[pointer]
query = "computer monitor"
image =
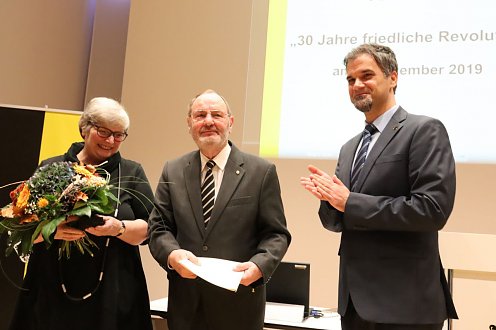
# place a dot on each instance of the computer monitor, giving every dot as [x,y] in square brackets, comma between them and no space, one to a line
[290,284]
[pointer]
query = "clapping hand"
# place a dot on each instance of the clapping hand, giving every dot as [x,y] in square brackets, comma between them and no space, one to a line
[326,188]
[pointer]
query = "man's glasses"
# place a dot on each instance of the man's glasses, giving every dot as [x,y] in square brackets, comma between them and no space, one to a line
[105,133]
[201,115]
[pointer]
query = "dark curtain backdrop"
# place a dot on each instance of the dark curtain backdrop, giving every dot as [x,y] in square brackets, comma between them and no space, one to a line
[20,138]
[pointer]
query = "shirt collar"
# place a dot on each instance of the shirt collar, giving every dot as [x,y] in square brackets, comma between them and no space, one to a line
[220,160]
[381,122]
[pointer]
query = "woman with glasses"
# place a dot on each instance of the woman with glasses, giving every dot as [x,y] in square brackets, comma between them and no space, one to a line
[107,290]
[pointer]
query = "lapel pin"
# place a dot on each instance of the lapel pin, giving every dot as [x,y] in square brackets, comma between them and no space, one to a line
[237,172]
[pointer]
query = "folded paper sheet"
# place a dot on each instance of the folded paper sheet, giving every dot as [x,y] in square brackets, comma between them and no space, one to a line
[216,271]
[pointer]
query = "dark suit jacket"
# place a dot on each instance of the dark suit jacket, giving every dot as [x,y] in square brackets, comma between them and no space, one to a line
[247,224]
[389,255]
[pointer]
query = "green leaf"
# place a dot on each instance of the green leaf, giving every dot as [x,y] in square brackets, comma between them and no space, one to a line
[26,246]
[50,228]
[2,226]
[38,229]
[82,211]
[111,196]
[79,204]
[21,237]
[7,224]
[100,194]
[102,209]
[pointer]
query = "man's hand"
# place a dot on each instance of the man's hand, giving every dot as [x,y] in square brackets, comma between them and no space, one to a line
[309,184]
[174,262]
[326,188]
[252,272]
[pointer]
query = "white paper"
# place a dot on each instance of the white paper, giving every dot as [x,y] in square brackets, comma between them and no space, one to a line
[159,305]
[284,312]
[216,271]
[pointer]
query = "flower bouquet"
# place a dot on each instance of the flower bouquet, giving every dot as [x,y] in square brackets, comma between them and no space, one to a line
[55,192]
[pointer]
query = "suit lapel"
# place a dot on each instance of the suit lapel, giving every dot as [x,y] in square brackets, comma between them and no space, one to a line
[192,179]
[390,131]
[233,173]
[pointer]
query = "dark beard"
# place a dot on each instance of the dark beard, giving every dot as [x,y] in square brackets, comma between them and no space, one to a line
[363,104]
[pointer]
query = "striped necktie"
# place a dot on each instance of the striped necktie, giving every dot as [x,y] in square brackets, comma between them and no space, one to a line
[362,154]
[208,192]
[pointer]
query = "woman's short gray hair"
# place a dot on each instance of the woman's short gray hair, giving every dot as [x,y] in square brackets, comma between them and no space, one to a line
[105,112]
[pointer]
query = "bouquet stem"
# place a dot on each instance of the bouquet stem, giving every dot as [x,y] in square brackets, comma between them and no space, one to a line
[83,245]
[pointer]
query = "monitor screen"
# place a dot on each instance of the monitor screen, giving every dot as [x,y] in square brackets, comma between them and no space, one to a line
[290,284]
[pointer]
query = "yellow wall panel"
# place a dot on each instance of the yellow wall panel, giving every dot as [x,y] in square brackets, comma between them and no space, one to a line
[59,132]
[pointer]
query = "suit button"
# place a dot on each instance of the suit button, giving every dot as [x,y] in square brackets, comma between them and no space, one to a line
[205,248]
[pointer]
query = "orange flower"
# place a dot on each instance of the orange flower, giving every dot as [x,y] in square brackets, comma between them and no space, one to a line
[90,168]
[17,211]
[7,212]
[81,196]
[83,170]
[29,218]
[14,193]
[22,199]
[42,202]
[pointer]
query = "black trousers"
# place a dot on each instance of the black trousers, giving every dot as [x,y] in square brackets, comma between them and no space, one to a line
[352,321]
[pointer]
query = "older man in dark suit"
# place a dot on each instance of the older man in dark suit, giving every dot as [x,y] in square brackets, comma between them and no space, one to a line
[393,190]
[246,224]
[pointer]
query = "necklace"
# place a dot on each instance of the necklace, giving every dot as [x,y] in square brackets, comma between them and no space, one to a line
[100,278]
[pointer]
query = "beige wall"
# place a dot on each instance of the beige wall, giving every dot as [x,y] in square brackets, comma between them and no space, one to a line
[60,53]
[174,50]
[45,47]
[108,49]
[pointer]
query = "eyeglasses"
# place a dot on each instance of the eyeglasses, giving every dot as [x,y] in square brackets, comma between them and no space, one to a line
[105,133]
[201,115]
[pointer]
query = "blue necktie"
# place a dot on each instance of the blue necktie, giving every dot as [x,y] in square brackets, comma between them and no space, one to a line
[208,192]
[362,154]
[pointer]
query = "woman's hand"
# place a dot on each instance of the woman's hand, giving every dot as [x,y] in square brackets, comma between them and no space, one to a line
[111,227]
[135,231]
[66,232]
